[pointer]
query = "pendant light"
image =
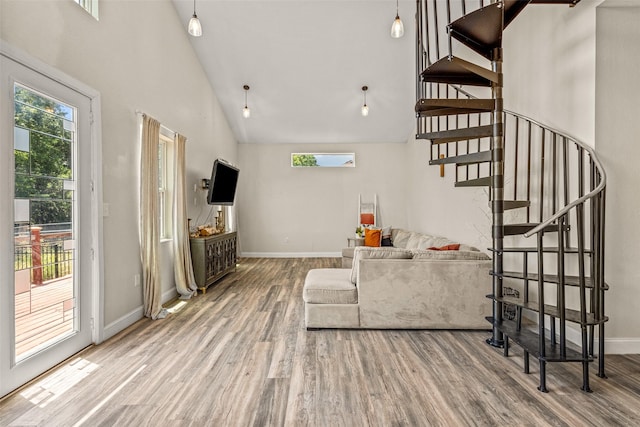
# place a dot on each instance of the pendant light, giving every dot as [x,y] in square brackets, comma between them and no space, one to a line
[246,112]
[365,109]
[195,28]
[397,28]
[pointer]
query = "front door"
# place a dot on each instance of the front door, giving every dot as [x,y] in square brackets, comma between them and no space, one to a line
[45,223]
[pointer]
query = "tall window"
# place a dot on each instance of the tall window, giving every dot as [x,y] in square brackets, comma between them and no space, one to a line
[165,171]
[90,6]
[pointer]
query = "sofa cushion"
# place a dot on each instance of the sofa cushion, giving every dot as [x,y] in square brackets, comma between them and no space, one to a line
[401,238]
[329,286]
[449,255]
[363,252]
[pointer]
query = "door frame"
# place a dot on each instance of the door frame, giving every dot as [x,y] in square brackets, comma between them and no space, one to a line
[97,280]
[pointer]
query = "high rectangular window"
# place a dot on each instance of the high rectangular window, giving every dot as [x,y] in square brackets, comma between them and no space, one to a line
[90,6]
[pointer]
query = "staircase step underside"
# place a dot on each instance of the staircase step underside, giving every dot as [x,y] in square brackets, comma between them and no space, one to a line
[551,249]
[516,204]
[550,310]
[480,30]
[448,107]
[462,134]
[458,71]
[464,159]
[478,182]
[530,341]
[549,278]
[517,229]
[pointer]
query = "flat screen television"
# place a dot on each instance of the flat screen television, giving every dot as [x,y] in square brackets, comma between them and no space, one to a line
[223,183]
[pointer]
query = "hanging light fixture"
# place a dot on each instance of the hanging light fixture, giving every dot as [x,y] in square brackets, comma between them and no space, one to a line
[397,28]
[195,28]
[365,109]
[246,112]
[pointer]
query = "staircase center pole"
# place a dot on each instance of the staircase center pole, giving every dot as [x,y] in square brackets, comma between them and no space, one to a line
[497,198]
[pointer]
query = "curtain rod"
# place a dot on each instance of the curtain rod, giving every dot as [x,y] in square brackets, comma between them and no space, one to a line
[162,127]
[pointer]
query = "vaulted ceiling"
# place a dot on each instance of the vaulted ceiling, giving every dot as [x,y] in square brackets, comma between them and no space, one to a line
[306,62]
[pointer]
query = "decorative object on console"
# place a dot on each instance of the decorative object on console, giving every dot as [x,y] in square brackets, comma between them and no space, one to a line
[367,211]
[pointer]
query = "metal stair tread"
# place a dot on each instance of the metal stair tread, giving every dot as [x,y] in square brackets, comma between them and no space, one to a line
[464,159]
[458,71]
[477,182]
[551,310]
[517,229]
[569,280]
[480,30]
[530,341]
[453,135]
[446,107]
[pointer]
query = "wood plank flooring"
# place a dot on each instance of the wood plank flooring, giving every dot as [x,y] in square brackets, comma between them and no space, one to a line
[240,355]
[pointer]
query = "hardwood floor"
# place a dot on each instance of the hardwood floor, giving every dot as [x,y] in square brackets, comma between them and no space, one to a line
[240,355]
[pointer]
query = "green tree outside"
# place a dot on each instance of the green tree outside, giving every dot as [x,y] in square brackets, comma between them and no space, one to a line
[304,160]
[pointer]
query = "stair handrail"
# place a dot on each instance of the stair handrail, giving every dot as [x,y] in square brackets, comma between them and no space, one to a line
[583,145]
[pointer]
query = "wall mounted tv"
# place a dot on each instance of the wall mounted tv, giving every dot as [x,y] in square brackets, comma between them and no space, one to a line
[223,183]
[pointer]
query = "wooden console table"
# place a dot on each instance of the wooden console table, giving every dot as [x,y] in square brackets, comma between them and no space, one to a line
[213,257]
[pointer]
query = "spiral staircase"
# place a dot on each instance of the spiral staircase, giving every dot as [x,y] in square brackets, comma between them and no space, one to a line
[546,189]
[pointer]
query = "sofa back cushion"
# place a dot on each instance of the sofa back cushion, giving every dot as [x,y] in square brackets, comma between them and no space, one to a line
[363,252]
[450,255]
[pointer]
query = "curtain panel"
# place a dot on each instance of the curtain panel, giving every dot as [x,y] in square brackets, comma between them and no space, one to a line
[183,269]
[149,219]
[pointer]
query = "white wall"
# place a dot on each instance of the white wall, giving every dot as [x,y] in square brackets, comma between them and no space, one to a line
[549,66]
[297,211]
[618,145]
[138,56]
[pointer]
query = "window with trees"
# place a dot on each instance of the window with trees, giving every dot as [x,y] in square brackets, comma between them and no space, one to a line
[323,160]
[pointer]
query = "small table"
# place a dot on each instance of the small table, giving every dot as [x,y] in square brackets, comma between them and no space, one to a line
[355,241]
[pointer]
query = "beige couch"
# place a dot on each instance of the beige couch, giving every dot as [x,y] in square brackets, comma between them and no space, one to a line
[400,288]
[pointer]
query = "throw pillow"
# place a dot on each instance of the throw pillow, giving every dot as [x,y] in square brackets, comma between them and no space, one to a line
[372,237]
[450,247]
[401,238]
[386,237]
[363,252]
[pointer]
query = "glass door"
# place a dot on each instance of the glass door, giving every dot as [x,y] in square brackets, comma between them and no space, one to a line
[45,224]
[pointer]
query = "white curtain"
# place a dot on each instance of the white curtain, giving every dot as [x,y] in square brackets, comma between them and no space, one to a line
[149,219]
[183,269]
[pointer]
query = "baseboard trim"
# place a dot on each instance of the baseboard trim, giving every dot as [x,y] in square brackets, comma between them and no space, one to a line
[290,254]
[133,316]
[122,323]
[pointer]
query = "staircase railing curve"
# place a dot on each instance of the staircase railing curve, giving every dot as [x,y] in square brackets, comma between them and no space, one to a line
[552,181]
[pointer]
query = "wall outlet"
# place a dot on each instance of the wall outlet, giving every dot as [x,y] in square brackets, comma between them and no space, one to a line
[286,240]
[136,281]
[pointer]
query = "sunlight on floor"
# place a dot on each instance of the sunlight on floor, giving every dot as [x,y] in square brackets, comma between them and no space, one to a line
[179,305]
[53,386]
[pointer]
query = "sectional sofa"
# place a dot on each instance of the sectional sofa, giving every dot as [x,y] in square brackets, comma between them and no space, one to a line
[407,286]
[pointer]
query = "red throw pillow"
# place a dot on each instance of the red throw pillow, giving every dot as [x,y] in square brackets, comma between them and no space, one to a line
[372,237]
[452,247]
